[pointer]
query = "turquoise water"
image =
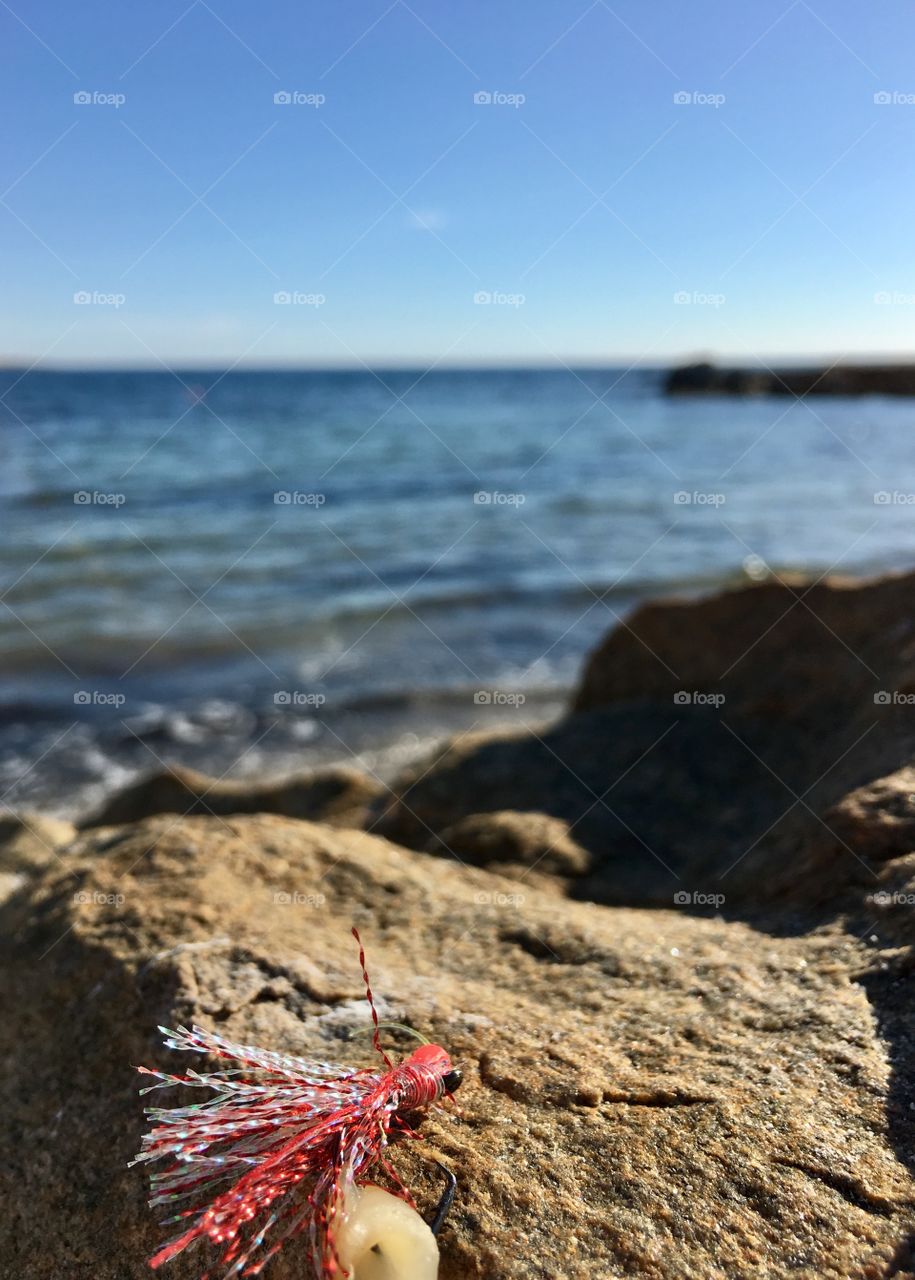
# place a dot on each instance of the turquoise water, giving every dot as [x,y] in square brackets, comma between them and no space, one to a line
[179,551]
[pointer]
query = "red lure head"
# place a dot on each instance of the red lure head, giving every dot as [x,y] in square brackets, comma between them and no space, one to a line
[432,1057]
[425,1076]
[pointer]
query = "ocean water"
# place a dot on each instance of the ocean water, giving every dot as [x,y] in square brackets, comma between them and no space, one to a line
[256,571]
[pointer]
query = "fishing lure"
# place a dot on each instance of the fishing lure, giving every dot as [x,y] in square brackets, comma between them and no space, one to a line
[272,1154]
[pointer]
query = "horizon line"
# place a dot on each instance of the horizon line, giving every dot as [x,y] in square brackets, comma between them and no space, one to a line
[418,364]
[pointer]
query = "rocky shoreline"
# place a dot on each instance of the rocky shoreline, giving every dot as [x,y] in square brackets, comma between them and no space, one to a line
[668,937]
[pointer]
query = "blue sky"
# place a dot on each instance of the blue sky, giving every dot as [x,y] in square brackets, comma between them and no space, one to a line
[767,214]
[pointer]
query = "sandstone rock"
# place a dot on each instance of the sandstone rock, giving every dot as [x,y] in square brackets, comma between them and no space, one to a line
[29,840]
[646,1093]
[513,841]
[708,748]
[784,649]
[878,819]
[337,794]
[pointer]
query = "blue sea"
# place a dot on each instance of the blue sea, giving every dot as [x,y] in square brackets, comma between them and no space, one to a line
[257,571]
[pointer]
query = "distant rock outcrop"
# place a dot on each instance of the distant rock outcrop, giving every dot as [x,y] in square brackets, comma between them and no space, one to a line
[704,378]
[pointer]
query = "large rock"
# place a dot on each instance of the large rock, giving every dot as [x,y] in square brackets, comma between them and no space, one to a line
[708,750]
[336,794]
[786,649]
[646,1093]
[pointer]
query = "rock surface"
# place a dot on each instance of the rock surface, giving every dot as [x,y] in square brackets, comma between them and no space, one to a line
[337,794]
[646,1093]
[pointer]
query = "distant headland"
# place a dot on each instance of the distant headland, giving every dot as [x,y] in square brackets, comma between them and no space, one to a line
[705,378]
